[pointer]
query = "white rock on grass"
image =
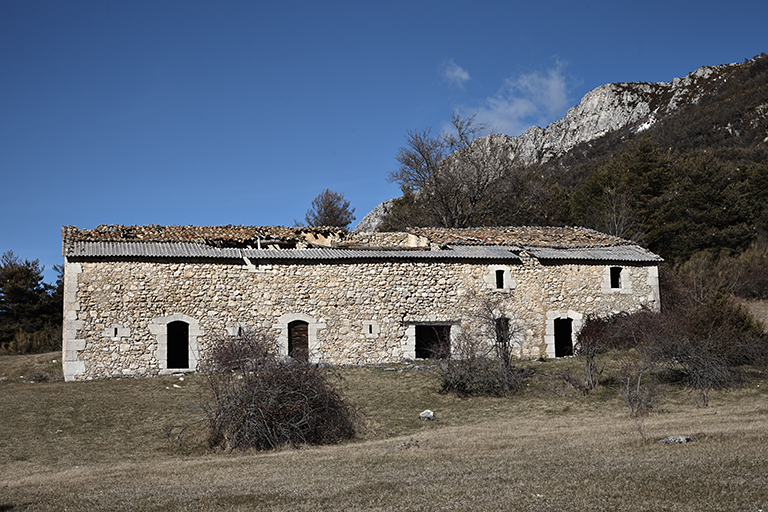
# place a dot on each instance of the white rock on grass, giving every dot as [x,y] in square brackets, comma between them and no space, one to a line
[676,439]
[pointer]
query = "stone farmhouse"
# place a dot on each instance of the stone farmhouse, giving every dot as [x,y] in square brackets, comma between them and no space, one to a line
[146,300]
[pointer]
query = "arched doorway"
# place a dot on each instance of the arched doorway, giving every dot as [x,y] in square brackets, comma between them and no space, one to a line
[298,340]
[178,345]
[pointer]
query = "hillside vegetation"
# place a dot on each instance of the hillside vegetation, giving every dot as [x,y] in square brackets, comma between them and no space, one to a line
[695,180]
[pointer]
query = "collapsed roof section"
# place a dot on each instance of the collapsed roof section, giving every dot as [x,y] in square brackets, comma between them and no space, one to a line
[214,236]
[278,243]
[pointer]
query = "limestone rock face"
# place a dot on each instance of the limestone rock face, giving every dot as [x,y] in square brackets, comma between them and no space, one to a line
[605,109]
[611,107]
[372,220]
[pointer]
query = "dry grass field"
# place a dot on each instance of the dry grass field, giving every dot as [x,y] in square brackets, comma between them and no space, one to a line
[103,445]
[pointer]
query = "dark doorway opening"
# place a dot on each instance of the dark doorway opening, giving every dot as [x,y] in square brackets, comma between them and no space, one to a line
[433,341]
[178,345]
[298,340]
[563,338]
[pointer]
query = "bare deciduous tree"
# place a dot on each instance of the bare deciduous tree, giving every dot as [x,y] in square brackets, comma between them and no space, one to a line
[458,176]
[481,363]
[618,215]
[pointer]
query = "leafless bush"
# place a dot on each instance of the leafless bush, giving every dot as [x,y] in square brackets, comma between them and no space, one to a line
[638,391]
[702,334]
[478,367]
[744,274]
[38,375]
[264,401]
[612,332]
[591,341]
[479,376]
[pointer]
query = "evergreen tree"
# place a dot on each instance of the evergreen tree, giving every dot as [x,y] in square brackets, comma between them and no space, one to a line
[330,209]
[30,310]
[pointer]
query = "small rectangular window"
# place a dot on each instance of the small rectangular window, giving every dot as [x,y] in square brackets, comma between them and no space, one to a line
[499,279]
[615,277]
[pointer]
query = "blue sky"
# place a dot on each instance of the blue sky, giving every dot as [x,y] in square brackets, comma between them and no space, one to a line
[241,112]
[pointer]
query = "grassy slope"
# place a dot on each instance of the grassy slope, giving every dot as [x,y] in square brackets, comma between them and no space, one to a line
[102,446]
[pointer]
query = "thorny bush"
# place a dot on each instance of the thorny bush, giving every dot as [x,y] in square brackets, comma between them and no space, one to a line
[264,401]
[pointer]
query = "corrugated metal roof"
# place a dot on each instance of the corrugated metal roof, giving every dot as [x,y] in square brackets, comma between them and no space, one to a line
[632,253]
[189,250]
[148,250]
[483,253]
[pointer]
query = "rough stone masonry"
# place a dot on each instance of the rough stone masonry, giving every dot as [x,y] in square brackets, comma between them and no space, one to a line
[145,300]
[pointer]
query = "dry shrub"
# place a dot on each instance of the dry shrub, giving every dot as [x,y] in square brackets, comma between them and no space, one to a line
[744,274]
[47,339]
[472,371]
[638,391]
[43,374]
[702,333]
[264,401]
[598,335]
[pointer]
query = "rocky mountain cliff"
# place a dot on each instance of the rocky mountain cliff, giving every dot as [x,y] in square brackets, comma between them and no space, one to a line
[604,110]
[372,220]
[611,107]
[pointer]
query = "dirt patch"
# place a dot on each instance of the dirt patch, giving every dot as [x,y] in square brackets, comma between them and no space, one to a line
[759,308]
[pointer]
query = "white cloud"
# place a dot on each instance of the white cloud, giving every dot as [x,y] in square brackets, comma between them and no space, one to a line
[454,74]
[532,99]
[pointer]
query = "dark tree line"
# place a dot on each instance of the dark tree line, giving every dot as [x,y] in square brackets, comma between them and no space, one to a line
[30,310]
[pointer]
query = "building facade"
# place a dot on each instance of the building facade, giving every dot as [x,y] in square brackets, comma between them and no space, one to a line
[147,300]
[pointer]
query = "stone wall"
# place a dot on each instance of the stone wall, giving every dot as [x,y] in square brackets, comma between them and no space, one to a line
[116,311]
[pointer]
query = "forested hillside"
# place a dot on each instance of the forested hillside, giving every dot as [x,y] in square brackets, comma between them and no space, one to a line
[681,182]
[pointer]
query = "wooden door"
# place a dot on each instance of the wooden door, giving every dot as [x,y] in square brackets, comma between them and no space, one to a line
[298,340]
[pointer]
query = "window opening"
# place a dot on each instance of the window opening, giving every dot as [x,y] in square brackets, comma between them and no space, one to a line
[178,345]
[370,328]
[298,340]
[115,335]
[499,279]
[563,338]
[615,277]
[433,341]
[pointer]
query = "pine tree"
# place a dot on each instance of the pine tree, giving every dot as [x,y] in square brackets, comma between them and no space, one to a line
[330,209]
